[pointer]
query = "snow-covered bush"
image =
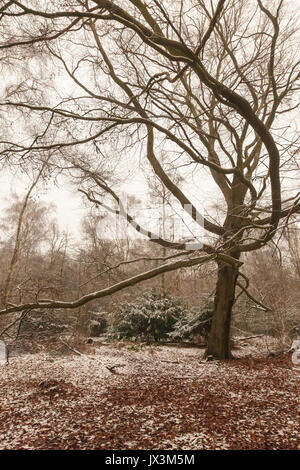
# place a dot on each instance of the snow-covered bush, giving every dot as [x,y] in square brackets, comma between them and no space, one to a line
[150,316]
[194,324]
[98,323]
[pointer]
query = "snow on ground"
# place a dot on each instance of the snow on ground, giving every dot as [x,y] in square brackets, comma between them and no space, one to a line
[161,398]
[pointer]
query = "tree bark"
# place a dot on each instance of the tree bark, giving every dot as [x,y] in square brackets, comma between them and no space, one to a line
[219,337]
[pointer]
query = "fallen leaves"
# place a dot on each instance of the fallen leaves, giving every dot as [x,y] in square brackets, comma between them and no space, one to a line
[163,398]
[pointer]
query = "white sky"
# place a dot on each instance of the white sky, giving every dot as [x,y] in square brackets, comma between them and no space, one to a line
[71,206]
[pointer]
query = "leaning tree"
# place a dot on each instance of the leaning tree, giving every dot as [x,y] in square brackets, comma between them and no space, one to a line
[214,86]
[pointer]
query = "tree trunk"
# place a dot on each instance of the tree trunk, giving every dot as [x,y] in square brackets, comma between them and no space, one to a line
[219,337]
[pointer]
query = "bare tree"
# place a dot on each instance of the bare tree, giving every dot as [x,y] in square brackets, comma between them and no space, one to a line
[18,238]
[292,236]
[213,85]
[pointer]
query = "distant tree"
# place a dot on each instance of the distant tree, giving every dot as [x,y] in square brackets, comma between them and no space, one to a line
[26,231]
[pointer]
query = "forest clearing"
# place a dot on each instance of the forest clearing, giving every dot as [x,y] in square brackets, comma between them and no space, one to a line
[156,397]
[149,225]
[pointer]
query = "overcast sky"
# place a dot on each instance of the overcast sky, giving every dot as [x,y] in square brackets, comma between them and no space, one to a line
[70,207]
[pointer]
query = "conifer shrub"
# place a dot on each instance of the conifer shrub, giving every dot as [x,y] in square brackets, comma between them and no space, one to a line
[195,324]
[150,316]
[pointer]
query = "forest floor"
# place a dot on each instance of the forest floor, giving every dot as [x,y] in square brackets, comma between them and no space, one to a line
[161,398]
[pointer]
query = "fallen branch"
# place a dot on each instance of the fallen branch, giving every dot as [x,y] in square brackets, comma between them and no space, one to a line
[112,368]
[248,337]
[72,349]
[184,344]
